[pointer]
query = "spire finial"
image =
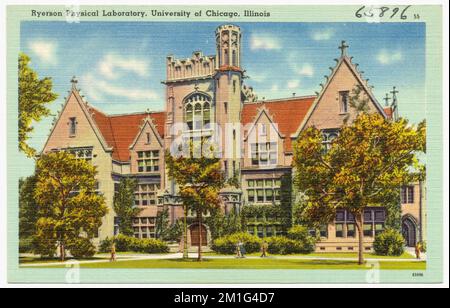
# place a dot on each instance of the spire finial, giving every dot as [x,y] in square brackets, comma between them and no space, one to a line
[386,100]
[343,48]
[74,82]
[394,93]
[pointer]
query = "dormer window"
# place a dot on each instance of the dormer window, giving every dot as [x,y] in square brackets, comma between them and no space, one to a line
[344,101]
[72,126]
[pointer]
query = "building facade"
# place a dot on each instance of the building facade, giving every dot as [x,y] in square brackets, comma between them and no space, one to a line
[206,98]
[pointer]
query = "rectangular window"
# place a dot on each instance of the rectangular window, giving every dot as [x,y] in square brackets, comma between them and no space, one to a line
[339,230]
[148,161]
[264,154]
[344,100]
[72,126]
[407,194]
[324,231]
[146,194]
[379,228]
[368,230]
[264,191]
[351,230]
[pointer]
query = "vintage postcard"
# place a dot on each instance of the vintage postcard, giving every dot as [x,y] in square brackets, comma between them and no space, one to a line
[227,144]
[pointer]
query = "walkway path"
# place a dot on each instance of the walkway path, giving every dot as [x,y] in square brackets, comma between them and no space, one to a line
[138,257]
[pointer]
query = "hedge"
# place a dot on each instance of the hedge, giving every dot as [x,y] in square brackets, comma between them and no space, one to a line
[81,248]
[389,243]
[227,244]
[127,243]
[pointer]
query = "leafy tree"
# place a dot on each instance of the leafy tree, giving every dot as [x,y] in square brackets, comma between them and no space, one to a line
[124,205]
[28,208]
[200,180]
[34,95]
[69,207]
[366,164]
[162,223]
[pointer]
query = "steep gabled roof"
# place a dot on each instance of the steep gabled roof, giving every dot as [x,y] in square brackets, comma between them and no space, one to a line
[120,131]
[343,60]
[286,113]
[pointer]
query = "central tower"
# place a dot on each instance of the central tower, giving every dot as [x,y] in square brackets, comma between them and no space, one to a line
[228,80]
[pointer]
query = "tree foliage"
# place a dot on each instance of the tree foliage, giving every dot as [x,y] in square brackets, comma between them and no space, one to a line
[124,207]
[69,207]
[28,208]
[162,227]
[34,95]
[366,165]
[199,178]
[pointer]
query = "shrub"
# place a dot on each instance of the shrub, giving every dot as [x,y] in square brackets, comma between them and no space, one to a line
[227,244]
[127,243]
[153,246]
[81,248]
[105,245]
[389,243]
[301,235]
[423,246]
[283,245]
[46,249]
[25,245]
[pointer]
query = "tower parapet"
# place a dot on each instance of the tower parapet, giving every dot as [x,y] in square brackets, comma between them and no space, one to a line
[197,66]
[228,43]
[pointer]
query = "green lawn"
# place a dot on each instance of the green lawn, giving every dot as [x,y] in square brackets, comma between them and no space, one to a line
[349,255]
[252,264]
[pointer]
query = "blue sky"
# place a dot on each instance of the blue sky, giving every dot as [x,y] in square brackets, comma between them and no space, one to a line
[120,66]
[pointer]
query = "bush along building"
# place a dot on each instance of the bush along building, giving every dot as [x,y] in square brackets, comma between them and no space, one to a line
[206,98]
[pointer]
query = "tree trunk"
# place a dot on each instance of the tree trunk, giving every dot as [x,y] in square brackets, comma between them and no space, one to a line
[185,235]
[62,251]
[199,216]
[360,227]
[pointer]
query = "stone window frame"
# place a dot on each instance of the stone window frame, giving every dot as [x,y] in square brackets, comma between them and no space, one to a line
[259,150]
[147,196]
[407,194]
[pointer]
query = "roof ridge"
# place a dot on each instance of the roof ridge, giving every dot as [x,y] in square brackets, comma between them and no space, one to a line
[279,100]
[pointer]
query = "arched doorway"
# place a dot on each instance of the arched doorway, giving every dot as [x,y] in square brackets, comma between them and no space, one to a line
[195,230]
[409,231]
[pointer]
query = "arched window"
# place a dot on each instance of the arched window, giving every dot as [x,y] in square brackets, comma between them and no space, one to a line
[197,111]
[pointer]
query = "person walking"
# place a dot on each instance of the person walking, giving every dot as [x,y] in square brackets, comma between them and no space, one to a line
[113,252]
[418,249]
[238,250]
[264,248]
[242,249]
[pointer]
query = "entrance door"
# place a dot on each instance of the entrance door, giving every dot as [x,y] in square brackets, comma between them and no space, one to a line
[409,232]
[195,230]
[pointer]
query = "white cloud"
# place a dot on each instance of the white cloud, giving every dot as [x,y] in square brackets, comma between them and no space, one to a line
[45,51]
[264,42]
[258,77]
[306,70]
[98,89]
[322,35]
[293,84]
[112,66]
[388,57]
[274,88]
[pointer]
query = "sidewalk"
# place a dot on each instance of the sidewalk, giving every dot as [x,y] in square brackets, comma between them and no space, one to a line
[194,255]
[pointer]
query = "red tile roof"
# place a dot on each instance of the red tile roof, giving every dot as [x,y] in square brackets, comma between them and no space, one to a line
[388,111]
[288,114]
[119,131]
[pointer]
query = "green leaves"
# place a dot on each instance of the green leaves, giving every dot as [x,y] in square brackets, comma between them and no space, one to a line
[124,205]
[34,94]
[69,207]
